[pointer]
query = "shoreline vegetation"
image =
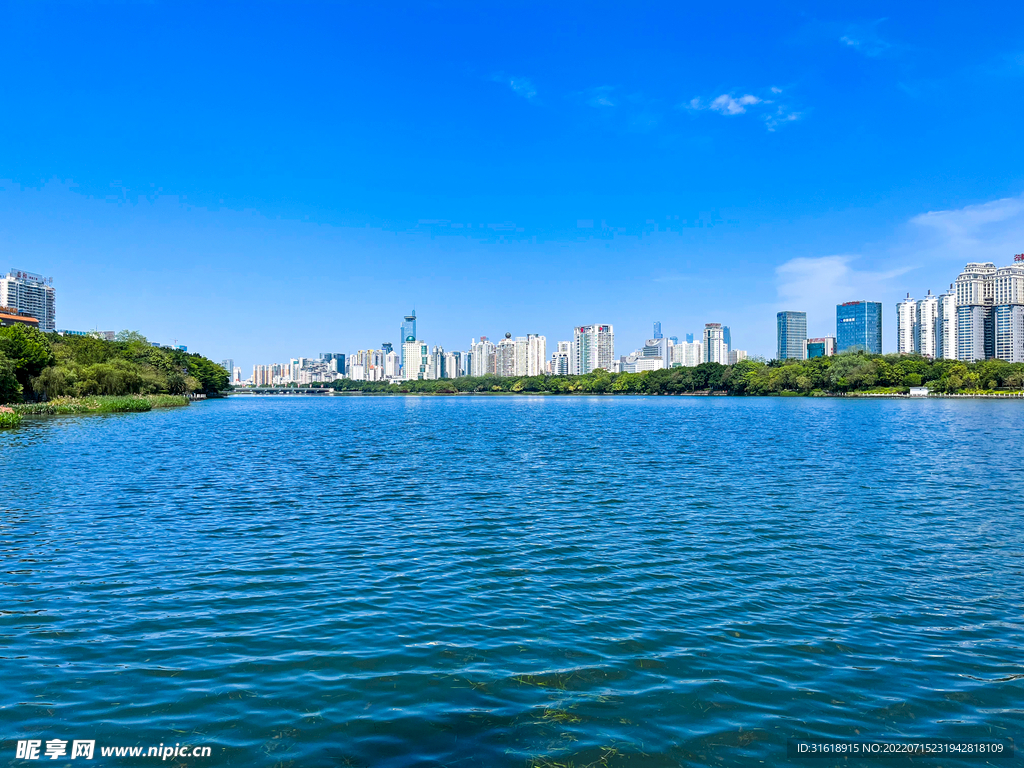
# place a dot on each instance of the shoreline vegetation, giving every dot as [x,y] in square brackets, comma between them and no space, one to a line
[41,367]
[100,404]
[48,374]
[846,374]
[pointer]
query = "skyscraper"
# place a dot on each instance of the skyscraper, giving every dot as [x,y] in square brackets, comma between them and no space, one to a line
[946,326]
[657,329]
[906,326]
[859,326]
[792,335]
[714,346]
[975,322]
[1008,297]
[727,337]
[593,347]
[408,332]
[926,338]
[31,294]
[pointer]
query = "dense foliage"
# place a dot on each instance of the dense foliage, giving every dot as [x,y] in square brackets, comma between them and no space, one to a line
[41,366]
[841,374]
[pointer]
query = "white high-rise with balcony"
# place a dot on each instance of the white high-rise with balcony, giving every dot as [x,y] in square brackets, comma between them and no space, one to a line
[928,327]
[975,289]
[715,348]
[945,325]
[1008,297]
[906,326]
[593,347]
[32,294]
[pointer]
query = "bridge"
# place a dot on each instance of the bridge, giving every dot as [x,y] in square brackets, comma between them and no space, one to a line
[323,391]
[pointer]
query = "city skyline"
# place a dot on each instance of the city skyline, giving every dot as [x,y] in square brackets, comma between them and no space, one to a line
[525,184]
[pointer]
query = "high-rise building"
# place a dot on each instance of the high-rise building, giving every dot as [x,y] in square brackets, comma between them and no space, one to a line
[859,327]
[228,365]
[416,355]
[657,329]
[593,347]
[408,332]
[482,357]
[29,294]
[906,326]
[727,336]
[716,350]
[975,320]
[560,360]
[689,338]
[536,352]
[737,355]
[792,335]
[392,365]
[946,325]
[690,354]
[824,346]
[926,339]
[505,357]
[236,377]
[1008,298]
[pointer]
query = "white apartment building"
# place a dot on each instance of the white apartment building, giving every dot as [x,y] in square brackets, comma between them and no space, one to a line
[945,335]
[560,359]
[715,348]
[1008,315]
[451,366]
[906,326]
[974,318]
[32,294]
[688,354]
[482,354]
[736,355]
[928,329]
[392,365]
[531,352]
[505,357]
[593,347]
[417,360]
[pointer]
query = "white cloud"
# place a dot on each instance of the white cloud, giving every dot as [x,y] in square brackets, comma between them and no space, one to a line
[728,105]
[521,86]
[601,96]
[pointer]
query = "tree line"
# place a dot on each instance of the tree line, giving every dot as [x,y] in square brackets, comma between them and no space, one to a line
[43,366]
[854,372]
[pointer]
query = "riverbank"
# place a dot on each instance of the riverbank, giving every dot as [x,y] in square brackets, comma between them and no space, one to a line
[62,406]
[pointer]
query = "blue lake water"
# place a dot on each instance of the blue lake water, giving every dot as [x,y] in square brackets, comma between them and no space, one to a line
[513,581]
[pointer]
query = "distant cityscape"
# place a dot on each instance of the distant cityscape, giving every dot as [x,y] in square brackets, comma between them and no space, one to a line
[980,317]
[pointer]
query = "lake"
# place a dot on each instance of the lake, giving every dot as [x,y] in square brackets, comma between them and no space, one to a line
[513,581]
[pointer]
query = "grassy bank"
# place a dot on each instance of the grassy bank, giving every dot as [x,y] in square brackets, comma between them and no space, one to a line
[99,404]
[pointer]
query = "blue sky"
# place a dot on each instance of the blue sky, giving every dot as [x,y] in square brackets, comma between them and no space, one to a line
[262,181]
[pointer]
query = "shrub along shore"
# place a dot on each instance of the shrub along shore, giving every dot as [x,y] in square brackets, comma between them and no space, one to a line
[844,374]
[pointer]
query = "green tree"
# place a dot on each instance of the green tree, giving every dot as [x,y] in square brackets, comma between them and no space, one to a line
[28,349]
[10,387]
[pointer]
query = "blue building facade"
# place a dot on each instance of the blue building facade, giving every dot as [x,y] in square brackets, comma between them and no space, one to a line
[859,327]
[792,328]
[408,333]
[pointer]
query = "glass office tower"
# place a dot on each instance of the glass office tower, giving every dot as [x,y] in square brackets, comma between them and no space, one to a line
[859,327]
[792,335]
